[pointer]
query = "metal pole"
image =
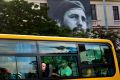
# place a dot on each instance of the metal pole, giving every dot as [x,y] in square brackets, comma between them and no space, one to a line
[105,14]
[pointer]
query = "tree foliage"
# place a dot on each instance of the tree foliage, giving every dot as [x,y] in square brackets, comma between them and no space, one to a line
[107,34]
[21,17]
[100,33]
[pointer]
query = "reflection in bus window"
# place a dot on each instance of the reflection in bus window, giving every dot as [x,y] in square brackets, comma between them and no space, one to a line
[96,60]
[7,67]
[16,46]
[8,46]
[60,66]
[26,47]
[26,67]
[57,47]
[88,72]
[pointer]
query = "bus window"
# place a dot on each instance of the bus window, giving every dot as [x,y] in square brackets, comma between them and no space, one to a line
[96,60]
[27,67]
[8,46]
[16,46]
[26,47]
[7,67]
[57,47]
[59,66]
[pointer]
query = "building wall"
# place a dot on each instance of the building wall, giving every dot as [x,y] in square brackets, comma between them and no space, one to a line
[113,25]
[100,13]
[99,10]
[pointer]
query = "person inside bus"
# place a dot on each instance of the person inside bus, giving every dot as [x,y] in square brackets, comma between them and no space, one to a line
[4,74]
[48,71]
[45,70]
[65,70]
[88,72]
[71,14]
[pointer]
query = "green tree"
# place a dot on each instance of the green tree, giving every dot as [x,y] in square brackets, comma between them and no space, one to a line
[78,32]
[100,33]
[107,34]
[21,17]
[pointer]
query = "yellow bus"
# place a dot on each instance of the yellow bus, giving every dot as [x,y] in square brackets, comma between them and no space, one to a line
[30,57]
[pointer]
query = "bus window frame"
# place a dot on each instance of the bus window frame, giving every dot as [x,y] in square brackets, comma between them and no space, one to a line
[20,40]
[61,54]
[91,65]
[16,55]
[38,57]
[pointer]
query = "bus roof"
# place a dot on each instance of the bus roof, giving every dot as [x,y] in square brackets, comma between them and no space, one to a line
[50,38]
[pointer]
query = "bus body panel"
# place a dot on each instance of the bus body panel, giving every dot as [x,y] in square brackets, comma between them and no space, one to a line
[65,39]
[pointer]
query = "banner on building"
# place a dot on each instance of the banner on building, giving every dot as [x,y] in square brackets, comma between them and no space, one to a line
[70,13]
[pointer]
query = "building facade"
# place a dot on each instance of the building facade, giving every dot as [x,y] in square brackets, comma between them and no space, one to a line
[112,12]
[97,13]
